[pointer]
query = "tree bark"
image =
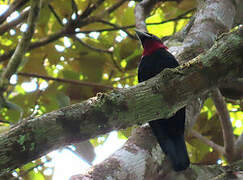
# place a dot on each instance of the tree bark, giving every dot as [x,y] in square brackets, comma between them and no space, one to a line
[211,19]
[141,158]
[156,98]
[131,161]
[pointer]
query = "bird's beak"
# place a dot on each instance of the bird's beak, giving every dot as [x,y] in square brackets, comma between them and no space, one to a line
[142,35]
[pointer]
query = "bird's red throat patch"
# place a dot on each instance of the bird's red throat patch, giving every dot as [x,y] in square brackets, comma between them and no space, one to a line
[149,46]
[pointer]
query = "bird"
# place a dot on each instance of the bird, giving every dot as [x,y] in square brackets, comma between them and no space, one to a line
[168,132]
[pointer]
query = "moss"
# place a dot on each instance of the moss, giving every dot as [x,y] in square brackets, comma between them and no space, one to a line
[111,102]
[197,169]
[21,139]
[70,125]
[32,146]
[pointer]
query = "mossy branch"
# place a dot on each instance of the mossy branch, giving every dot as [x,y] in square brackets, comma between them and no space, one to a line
[156,98]
[23,44]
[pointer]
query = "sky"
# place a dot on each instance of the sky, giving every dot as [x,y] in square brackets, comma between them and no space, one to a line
[68,164]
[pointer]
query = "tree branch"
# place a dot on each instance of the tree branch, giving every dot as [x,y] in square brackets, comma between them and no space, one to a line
[141,11]
[33,45]
[239,15]
[209,23]
[232,88]
[156,98]
[116,64]
[69,28]
[13,7]
[22,45]
[130,26]
[206,25]
[113,7]
[90,9]
[198,34]
[4,121]
[55,36]
[80,83]
[210,143]
[225,122]
[131,161]
[91,47]
[118,27]
[141,159]
[7,26]
[55,15]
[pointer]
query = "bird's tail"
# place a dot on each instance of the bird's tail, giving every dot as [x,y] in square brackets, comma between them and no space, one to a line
[171,141]
[175,149]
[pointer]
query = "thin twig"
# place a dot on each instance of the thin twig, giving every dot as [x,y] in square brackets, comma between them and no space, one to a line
[74,37]
[188,27]
[63,32]
[55,15]
[74,7]
[116,64]
[91,47]
[210,143]
[42,42]
[13,7]
[4,121]
[7,26]
[81,20]
[175,27]
[23,45]
[116,26]
[225,124]
[113,7]
[142,10]
[131,26]
[70,81]
[90,9]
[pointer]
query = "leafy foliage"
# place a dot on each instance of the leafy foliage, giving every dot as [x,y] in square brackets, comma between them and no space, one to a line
[92,55]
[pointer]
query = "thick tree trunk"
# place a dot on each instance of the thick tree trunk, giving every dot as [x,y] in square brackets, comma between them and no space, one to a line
[142,159]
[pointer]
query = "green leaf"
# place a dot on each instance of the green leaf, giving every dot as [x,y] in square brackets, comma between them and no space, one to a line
[13,106]
[197,150]
[162,29]
[68,74]
[99,140]
[62,100]
[32,175]
[125,133]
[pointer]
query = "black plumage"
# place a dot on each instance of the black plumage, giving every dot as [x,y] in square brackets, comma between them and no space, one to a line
[169,132]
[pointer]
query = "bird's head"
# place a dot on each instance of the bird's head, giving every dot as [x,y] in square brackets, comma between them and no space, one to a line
[149,42]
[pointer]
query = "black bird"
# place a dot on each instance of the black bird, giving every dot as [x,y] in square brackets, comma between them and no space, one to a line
[169,132]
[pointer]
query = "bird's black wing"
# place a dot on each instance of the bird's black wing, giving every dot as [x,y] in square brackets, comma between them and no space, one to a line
[169,132]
